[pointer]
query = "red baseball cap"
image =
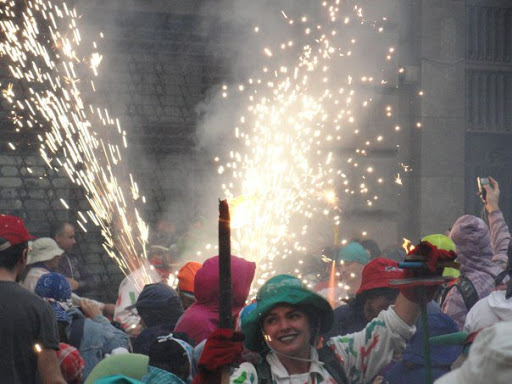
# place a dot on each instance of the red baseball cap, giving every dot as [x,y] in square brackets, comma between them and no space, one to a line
[377,274]
[13,230]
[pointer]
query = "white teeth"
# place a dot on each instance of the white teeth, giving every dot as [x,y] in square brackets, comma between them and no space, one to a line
[287,338]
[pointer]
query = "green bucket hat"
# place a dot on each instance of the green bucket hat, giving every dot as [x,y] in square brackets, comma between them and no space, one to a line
[283,289]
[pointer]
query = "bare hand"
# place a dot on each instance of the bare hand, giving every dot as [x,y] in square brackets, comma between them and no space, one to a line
[492,196]
[108,310]
[90,308]
[74,284]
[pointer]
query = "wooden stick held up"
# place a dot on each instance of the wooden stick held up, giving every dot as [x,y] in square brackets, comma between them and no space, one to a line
[225,299]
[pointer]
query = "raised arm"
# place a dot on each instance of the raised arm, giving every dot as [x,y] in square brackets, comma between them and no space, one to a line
[407,310]
[500,234]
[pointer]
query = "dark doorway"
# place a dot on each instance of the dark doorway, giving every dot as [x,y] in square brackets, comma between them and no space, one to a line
[489,154]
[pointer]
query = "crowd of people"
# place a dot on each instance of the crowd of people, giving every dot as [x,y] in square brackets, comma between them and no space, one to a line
[365,328]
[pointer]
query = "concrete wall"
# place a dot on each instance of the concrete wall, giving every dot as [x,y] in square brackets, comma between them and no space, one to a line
[441,172]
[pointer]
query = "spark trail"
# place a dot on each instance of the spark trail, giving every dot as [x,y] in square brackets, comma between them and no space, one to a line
[311,96]
[41,46]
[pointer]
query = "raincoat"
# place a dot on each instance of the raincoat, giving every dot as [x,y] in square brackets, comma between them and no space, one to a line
[476,247]
[489,311]
[202,317]
[412,367]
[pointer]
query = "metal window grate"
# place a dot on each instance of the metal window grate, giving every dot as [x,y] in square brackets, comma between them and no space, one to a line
[489,101]
[489,34]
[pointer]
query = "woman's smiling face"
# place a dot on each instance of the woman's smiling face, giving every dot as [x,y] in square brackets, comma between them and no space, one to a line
[287,331]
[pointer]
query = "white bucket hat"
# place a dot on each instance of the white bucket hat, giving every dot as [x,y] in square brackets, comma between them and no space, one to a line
[44,249]
[489,360]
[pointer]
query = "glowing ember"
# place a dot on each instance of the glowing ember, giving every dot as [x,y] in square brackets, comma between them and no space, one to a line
[407,245]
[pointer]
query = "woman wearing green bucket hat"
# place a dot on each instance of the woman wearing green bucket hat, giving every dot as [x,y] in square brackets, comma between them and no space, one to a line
[286,322]
[285,325]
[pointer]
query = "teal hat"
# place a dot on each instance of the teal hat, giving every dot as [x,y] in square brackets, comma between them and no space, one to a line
[354,252]
[283,289]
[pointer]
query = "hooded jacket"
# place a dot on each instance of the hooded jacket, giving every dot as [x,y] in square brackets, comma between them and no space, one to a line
[476,247]
[160,307]
[489,311]
[202,317]
[411,369]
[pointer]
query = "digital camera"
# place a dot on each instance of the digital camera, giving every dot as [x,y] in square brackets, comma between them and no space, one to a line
[481,190]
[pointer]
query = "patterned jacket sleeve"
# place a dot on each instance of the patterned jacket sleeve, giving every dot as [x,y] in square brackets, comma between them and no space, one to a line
[500,235]
[245,374]
[364,353]
[454,307]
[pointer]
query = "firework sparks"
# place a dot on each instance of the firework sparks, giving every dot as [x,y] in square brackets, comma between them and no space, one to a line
[285,172]
[41,42]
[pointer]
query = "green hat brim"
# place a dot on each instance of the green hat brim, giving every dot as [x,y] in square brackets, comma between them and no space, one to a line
[296,296]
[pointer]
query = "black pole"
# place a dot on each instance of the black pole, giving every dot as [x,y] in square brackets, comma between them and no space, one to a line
[424,326]
[225,319]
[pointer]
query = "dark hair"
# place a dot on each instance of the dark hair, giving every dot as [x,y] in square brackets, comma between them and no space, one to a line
[10,257]
[394,252]
[63,335]
[57,228]
[170,356]
[361,298]
[372,247]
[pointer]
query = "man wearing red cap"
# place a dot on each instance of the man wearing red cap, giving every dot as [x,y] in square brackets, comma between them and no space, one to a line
[28,330]
[374,295]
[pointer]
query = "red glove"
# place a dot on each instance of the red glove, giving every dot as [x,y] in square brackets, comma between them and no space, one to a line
[223,348]
[432,257]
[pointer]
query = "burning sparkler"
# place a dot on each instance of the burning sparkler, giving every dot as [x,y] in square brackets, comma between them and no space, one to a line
[286,168]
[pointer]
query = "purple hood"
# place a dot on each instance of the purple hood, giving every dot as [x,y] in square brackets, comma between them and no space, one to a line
[474,249]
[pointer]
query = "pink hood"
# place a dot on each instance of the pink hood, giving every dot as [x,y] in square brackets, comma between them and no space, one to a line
[202,317]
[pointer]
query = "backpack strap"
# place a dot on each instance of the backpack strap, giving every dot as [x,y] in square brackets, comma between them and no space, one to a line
[444,292]
[263,371]
[326,355]
[468,292]
[332,364]
[77,331]
[501,276]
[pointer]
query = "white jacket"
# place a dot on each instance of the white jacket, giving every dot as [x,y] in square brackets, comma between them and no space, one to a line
[127,295]
[363,354]
[33,276]
[489,311]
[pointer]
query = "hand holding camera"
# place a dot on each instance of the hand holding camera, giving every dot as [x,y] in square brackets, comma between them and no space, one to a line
[489,192]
